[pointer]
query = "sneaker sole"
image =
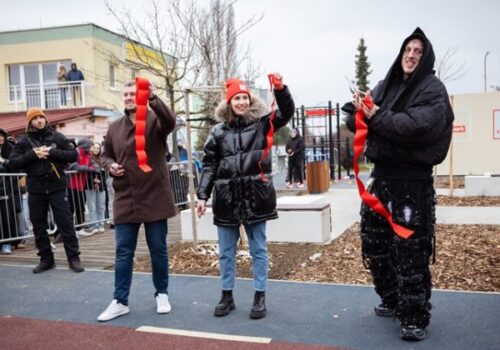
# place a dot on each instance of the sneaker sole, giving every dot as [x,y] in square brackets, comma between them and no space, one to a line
[257,315]
[112,318]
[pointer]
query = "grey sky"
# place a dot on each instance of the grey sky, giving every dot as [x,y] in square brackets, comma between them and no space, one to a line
[313,43]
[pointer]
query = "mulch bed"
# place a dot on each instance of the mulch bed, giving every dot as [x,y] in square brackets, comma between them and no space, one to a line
[467,258]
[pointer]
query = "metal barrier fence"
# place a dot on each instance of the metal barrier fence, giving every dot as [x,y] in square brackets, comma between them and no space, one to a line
[90,196]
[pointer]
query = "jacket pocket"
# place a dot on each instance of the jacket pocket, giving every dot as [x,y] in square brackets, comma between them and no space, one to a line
[222,199]
[263,197]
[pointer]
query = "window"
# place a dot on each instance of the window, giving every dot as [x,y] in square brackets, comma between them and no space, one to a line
[112,82]
[15,82]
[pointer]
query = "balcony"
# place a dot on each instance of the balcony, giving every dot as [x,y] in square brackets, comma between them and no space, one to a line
[48,95]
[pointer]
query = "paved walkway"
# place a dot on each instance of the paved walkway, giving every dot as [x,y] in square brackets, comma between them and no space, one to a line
[305,313]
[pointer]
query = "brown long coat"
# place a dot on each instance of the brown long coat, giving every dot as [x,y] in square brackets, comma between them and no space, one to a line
[139,196]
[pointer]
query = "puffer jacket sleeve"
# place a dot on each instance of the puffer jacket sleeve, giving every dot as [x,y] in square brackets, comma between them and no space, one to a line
[64,151]
[22,156]
[210,165]
[422,123]
[286,108]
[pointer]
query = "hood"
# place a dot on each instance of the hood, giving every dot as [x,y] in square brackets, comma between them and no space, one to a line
[395,75]
[257,110]
[85,144]
[4,133]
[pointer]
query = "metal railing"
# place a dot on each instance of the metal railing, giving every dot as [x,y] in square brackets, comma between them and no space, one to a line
[52,95]
[90,196]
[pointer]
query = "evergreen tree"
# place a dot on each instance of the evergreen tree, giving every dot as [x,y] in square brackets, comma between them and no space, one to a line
[362,67]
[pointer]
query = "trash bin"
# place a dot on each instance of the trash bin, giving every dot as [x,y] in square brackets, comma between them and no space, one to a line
[318,176]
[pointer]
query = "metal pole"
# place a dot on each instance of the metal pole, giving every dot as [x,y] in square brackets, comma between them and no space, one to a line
[190,169]
[337,112]
[330,141]
[485,56]
[451,152]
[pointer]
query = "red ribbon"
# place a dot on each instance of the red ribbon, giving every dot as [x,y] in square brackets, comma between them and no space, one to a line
[270,133]
[372,201]
[141,101]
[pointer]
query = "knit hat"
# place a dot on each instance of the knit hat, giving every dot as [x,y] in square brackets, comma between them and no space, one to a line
[34,112]
[235,86]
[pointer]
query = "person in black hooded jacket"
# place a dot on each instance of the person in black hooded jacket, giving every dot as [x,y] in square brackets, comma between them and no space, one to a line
[243,188]
[43,154]
[296,151]
[409,131]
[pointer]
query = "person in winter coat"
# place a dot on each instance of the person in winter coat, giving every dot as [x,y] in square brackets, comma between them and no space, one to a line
[78,177]
[43,154]
[140,197]
[295,150]
[75,77]
[10,201]
[243,190]
[95,191]
[409,131]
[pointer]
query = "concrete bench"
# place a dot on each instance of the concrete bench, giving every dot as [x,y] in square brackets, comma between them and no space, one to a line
[483,185]
[305,219]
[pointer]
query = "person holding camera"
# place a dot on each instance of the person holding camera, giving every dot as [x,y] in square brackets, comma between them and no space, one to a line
[44,154]
[237,166]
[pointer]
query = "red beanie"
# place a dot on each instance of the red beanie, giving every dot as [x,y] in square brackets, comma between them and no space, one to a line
[235,86]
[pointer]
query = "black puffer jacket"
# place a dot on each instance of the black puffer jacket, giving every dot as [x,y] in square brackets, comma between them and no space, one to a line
[296,144]
[411,132]
[44,175]
[230,166]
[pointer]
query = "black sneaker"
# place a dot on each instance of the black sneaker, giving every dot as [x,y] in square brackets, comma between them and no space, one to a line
[259,306]
[384,310]
[225,305]
[75,264]
[44,265]
[412,333]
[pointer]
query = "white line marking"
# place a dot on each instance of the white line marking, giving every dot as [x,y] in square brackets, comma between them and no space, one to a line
[206,335]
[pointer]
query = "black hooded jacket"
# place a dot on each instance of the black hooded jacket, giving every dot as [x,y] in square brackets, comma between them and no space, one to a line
[411,132]
[230,166]
[44,175]
[296,144]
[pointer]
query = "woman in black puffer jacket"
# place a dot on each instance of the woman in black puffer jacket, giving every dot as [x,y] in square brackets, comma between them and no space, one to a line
[243,189]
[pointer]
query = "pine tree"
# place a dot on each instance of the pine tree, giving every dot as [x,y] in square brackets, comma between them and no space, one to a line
[362,67]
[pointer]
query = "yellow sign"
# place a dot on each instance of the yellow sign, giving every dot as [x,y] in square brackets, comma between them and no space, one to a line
[144,55]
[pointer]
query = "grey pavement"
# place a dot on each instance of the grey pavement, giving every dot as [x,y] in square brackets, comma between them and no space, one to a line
[310,313]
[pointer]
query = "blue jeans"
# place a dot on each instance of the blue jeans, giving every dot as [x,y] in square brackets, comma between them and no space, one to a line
[96,201]
[126,242]
[228,239]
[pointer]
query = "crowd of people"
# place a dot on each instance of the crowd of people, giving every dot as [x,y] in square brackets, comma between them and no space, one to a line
[409,120]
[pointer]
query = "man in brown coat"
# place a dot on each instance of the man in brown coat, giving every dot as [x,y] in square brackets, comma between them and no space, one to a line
[140,197]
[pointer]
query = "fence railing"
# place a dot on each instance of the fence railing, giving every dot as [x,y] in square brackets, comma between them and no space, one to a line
[90,196]
[52,95]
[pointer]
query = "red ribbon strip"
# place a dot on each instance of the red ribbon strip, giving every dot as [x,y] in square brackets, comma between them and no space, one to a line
[141,101]
[372,201]
[270,133]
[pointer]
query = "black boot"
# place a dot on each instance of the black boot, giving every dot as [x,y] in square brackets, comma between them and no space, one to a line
[384,310]
[44,265]
[226,304]
[412,333]
[75,264]
[259,305]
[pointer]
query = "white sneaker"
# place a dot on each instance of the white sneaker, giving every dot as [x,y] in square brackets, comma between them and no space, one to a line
[114,310]
[162,304]
[100,230]
[83,233]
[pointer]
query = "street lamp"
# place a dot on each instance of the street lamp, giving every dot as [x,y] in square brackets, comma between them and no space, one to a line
[485,56]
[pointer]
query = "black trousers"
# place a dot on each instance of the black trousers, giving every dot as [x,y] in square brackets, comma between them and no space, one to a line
[400,267]
[39,207]
[295,172]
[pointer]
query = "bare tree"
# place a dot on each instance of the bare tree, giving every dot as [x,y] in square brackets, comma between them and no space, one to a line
[220,58]
[446,69]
